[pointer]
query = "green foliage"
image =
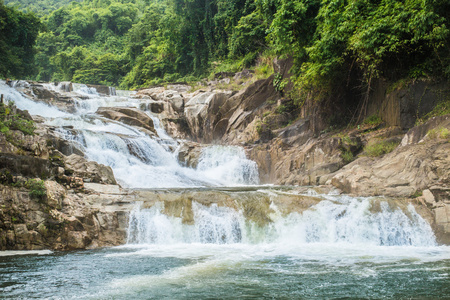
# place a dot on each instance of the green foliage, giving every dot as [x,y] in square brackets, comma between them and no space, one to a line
[441,109]
[380,148]
[18,33]
[279,83]
[13,121]
[134,43]
[281,109]
[347,156]
[40,7]
[373,120]
[36,189]
[440,132]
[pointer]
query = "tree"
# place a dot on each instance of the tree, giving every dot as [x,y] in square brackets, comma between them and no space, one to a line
[18,33]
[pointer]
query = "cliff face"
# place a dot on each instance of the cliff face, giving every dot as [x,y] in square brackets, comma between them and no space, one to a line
[355,160]
[62,220]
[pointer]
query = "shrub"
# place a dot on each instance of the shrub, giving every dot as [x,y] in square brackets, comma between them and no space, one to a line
[441,132]
[36,188]
[380,148]
[373,120]
[347,156]
[10,121]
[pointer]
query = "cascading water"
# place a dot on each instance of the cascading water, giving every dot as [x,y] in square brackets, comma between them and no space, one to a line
[138,160]
[336,219]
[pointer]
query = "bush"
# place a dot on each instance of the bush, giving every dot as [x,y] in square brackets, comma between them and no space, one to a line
[347,156]
[10,121]
[441,109]
[441,132]
[36,188]
[380,148]
[373,120]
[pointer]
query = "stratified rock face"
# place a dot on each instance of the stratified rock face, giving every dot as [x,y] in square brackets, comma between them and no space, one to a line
[402,106]
[300,165]
[201,114]
[129,116]
[62,220]
[421,161]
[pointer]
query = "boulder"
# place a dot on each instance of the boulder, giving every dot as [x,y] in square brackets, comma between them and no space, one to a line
[201,113]
[129,116]
[103,89]
[189,154]
[90,171]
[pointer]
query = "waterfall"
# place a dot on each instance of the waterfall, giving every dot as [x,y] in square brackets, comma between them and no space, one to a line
[137,160]
[228,164]
[84,89]
[336,219]
[24,103]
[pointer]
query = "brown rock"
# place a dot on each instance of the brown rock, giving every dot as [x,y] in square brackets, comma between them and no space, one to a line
[129,116]
[89,170]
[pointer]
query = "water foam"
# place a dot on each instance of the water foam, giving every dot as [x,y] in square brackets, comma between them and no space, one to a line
[341,220]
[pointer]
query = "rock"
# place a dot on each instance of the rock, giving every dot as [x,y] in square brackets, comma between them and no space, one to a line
[103,188]
[428,197]
[243,75]
[189,154]
[27,166]
[180,88]
[22,235]
[129,116]
[66,86]
[89,170]
[103,89]
[55,194]
[417,134]
[78,240]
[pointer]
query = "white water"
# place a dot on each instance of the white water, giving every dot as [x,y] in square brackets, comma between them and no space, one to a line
[25,103]
[335,220]
[138,160]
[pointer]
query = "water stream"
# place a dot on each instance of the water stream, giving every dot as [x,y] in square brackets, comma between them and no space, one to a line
[249,245]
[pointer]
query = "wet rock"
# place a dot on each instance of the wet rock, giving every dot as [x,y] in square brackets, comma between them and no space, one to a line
[200,112]
[129,116]
[103,89]
[189,154]
[77,240]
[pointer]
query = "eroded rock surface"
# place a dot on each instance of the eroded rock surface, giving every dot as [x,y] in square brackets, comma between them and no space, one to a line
[63,220]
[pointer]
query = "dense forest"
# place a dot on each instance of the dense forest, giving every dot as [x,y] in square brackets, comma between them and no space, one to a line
[134,43]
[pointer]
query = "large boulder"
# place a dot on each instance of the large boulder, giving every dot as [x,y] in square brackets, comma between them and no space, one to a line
[129,116]
[189,154]
[90,171]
